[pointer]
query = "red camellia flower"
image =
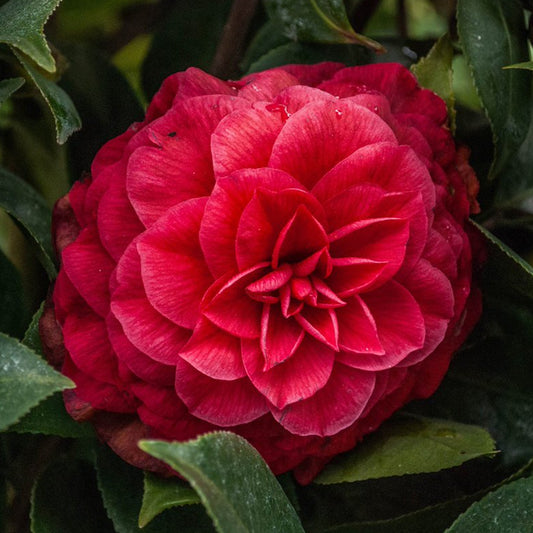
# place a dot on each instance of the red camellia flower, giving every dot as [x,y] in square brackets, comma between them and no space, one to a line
[284,256]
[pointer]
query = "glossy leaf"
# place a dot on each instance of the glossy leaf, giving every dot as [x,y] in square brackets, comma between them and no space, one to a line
[434,72]
[31,337]
[25,380]
[66,118]
[409,445]
[527,65]
[26,206]
[506,510]
[22,27]
[492,35]
[235,485]
[50,418]
[323,21]
[122,506]
[161,494]
[65,499]
[8,87]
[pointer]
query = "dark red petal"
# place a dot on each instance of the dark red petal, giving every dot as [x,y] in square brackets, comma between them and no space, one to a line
[230,307]
[298,377]
[280,336]
[224,209]
[331,409]
[173,269]
[145,328]
[177,167]
[321,134]
[313,74]
[88,266]
[352,275]
[139,363]
[214,352]
[223,403]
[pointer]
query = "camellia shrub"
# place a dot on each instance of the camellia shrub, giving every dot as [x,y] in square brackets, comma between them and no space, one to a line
[307,258]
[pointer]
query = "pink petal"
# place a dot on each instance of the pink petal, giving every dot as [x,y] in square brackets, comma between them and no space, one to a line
[265,86]
[321,134]
[148,330]
[320,324]
[331,409]
[173,269]
[352,275]
[223,211]
[386,165]
[264,218]
[299,238]
[434,294]
[178,165]
[297,378]
[230,307]
[382,240]
[357,331]
[439,253]
[280,336]
[223,403]
[117,223]
[271,281]
[214,352]
[196,82]
[400,324]
[88,266]
[139,363]
[295,97]
[244,139]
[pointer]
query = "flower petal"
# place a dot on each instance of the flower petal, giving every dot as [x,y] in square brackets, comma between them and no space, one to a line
[296,378]
[214,352]
[173,269]
[223,403]
[321,134]
[331,409]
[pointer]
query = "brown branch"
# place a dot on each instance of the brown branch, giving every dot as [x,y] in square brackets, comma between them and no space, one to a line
[230,46]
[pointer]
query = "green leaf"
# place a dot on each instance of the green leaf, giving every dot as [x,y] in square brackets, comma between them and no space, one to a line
[492,34]
[65,499]
[26,206]
[51,418]
[8,87]
[31,338]
[163,493]
[104,99]
[25,380]
[409,445]
[66,118]
[122,506]
[505,268]
[12,299]
[434,72]
[235,485]
[309,53]
[22,27]
[184,41]
[506,510]
[323,21]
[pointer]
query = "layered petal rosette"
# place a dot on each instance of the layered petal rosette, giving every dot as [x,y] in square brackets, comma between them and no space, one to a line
[284,256]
